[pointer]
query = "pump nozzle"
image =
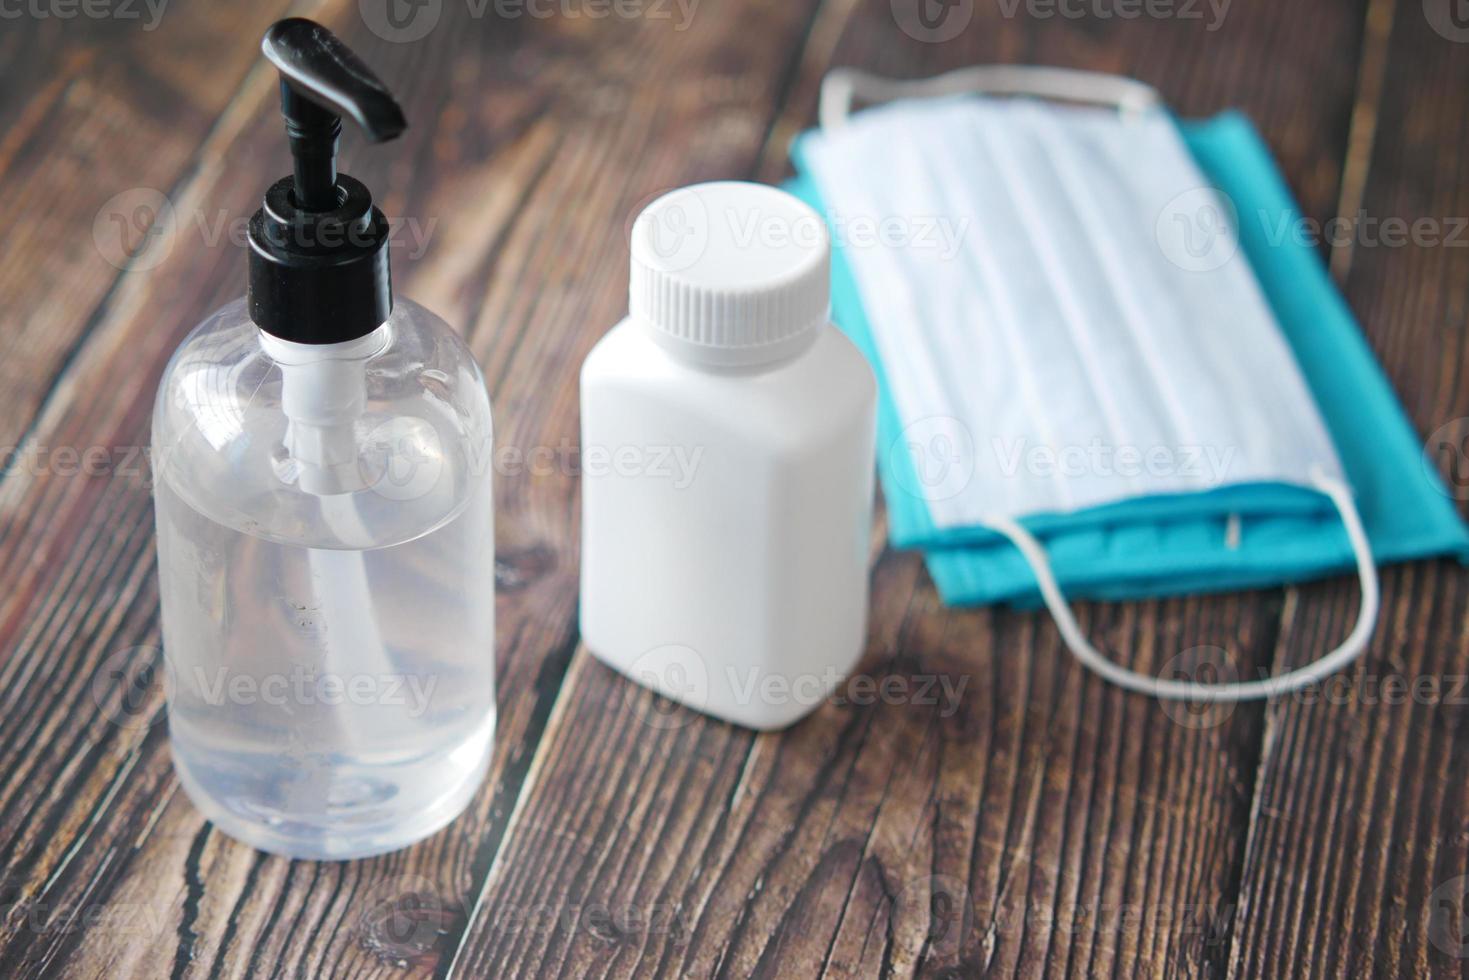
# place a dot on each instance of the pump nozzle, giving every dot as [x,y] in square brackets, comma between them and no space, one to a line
[321,81]
[318,246]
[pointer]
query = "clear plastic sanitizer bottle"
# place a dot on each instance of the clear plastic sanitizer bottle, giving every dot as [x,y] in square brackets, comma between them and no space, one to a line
[325,529]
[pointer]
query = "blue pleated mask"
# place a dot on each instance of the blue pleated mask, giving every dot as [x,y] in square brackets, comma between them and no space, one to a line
[1109,368]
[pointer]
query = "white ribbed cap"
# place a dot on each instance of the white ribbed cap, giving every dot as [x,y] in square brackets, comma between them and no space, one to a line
[730,273]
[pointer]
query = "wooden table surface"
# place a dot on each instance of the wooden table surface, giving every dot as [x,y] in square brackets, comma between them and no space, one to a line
[1048,823]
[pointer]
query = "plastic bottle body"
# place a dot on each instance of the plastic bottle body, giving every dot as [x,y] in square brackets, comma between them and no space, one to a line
[726,522]
[326,574]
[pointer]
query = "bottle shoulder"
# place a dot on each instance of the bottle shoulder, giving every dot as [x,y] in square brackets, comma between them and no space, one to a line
[827,386]
[410,448]
[228,337]
[626,356]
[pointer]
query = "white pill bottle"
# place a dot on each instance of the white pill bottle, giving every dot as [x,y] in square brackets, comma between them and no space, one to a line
[728,434]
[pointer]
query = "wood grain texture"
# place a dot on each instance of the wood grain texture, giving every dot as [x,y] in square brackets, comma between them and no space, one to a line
[99,131]
[93,823]
[1359,851]
[513,189]
[1050,823]
[985,807]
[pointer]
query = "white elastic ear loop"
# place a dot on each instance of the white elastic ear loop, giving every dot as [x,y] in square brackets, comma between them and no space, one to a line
[1351,648]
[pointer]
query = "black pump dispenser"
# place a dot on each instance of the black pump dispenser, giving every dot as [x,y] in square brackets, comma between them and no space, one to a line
[318,247]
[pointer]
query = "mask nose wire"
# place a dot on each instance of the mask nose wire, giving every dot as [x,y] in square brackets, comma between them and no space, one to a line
[842,86]
[1164,689]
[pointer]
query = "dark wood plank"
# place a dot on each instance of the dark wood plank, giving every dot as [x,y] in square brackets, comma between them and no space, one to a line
[101,135]
[99,118]
[1051,823]
[528,147]
[90,109]
[1357,858]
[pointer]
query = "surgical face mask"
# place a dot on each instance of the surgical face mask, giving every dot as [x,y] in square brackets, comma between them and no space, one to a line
[1082,329]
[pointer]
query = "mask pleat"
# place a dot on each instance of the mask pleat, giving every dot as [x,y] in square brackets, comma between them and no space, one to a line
[1088,362]
[1142,328]
[1107,362]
